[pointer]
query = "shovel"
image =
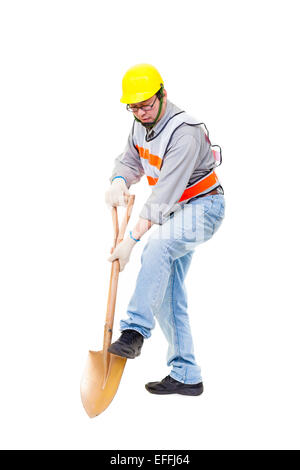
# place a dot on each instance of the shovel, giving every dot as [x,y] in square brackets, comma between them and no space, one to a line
[103,371]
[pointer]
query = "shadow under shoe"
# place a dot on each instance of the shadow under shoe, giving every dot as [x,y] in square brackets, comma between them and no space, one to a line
[169,385]
[129,344]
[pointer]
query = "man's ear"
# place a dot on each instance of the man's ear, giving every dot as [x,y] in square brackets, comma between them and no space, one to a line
[165,95]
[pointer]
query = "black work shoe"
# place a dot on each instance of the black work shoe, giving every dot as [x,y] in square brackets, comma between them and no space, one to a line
[169,385]
[128,345]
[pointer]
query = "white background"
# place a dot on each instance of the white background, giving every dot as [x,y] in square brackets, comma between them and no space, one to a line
[233,65]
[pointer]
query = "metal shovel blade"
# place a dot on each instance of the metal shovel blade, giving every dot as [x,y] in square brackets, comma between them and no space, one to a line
[100,381]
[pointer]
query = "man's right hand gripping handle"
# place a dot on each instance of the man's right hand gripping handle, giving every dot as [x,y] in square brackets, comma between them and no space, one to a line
[117,194]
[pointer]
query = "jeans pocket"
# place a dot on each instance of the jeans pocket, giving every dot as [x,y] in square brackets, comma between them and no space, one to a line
[208,204]
[204,203]
[219,215]
[222,210]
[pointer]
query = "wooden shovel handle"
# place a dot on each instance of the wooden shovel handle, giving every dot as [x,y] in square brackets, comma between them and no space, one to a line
[114,275]
[119,235]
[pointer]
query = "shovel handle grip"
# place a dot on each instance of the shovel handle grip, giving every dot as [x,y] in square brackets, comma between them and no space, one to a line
[115,269]
[119,234]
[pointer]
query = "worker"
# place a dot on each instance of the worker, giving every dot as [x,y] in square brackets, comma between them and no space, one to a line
[186,207]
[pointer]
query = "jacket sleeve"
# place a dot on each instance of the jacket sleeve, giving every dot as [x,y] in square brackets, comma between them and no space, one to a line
[128,164]
[178,166]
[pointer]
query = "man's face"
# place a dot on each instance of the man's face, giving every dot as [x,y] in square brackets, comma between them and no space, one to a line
[148,114]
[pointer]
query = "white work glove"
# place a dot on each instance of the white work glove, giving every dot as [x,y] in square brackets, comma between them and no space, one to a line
[122,252]
[117,194]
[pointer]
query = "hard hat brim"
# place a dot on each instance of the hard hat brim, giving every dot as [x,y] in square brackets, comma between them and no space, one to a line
[137,97]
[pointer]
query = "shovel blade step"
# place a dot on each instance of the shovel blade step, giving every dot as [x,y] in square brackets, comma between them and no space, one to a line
[98,387]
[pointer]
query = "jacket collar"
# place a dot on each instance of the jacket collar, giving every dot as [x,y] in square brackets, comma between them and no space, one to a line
[170,111]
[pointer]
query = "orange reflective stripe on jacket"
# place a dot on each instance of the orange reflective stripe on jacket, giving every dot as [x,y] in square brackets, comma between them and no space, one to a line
[203,186]
[152,181]
[153,160]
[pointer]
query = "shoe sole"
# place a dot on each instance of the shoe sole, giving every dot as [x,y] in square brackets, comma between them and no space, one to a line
[127,356]
[186,392]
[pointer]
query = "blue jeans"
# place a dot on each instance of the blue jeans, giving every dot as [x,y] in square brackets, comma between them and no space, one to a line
[160,290]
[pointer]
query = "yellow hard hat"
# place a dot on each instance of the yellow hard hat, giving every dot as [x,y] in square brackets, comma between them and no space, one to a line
[139,83]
